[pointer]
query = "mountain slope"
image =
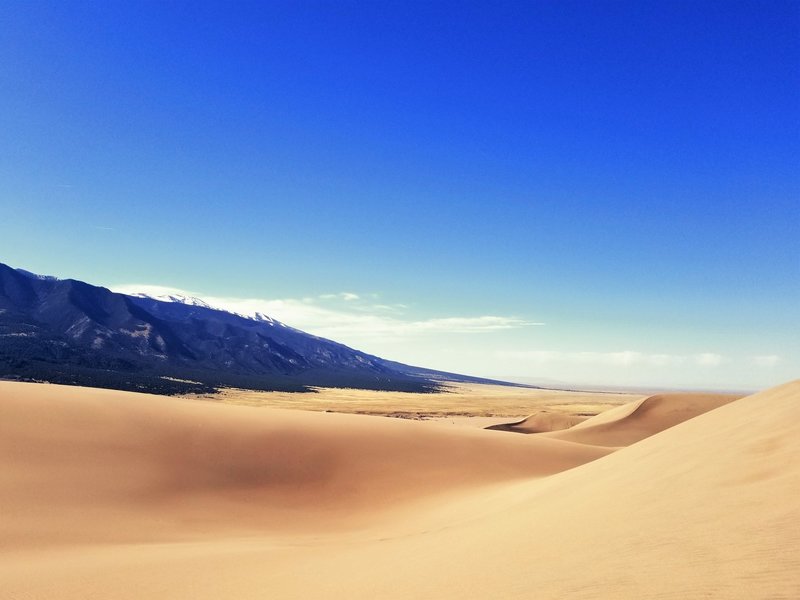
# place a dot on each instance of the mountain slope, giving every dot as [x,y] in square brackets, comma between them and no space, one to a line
[68,331]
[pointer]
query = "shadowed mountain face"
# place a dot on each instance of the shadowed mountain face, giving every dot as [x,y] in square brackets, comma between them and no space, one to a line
[67,331]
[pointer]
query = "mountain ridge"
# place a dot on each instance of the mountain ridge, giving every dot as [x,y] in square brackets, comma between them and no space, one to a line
[69,331]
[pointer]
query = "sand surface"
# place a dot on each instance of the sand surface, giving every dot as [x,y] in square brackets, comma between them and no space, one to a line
[543,421]
[456,400]
[630,423]
[116,495]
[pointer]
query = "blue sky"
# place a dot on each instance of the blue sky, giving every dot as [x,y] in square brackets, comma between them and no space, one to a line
[601,192]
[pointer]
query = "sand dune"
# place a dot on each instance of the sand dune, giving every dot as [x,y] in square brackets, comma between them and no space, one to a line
[151,468]
[706,508]
[630,423]
[542,422]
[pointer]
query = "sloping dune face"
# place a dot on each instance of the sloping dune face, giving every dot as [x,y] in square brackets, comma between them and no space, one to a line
[704,509]
[541,422]
[87,465]
[630,423]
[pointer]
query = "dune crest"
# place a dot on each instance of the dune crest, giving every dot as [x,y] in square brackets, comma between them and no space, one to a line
[541,422]
[150,467]
[631,423]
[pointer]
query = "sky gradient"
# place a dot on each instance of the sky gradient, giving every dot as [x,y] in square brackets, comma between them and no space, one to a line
[593,192]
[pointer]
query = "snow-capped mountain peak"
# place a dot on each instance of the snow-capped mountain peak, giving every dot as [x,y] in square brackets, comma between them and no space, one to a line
[36,276]
[195,301]
[258,316]
[177,298]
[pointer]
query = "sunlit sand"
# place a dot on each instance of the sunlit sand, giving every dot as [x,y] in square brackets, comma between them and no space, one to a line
[108,494]
[455,400]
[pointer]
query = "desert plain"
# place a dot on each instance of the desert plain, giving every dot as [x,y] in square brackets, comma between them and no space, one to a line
[107,494]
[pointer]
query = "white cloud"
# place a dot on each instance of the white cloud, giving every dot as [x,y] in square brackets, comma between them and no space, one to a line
[150,290]
[624,358]
[666,360]
[346,296]
[708,359]
[352,319]
[769,360]
[468,324]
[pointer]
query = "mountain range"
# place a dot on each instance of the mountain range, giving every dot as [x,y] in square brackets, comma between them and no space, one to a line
[68,331]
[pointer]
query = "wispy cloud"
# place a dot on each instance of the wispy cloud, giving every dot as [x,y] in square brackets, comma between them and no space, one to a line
[346,296]
[708,359]
[344,315]
[769,360]
[624,358]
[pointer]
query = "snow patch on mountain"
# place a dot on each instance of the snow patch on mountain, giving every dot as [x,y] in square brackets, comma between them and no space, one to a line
[177,298]
[195,301]
[37,276]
